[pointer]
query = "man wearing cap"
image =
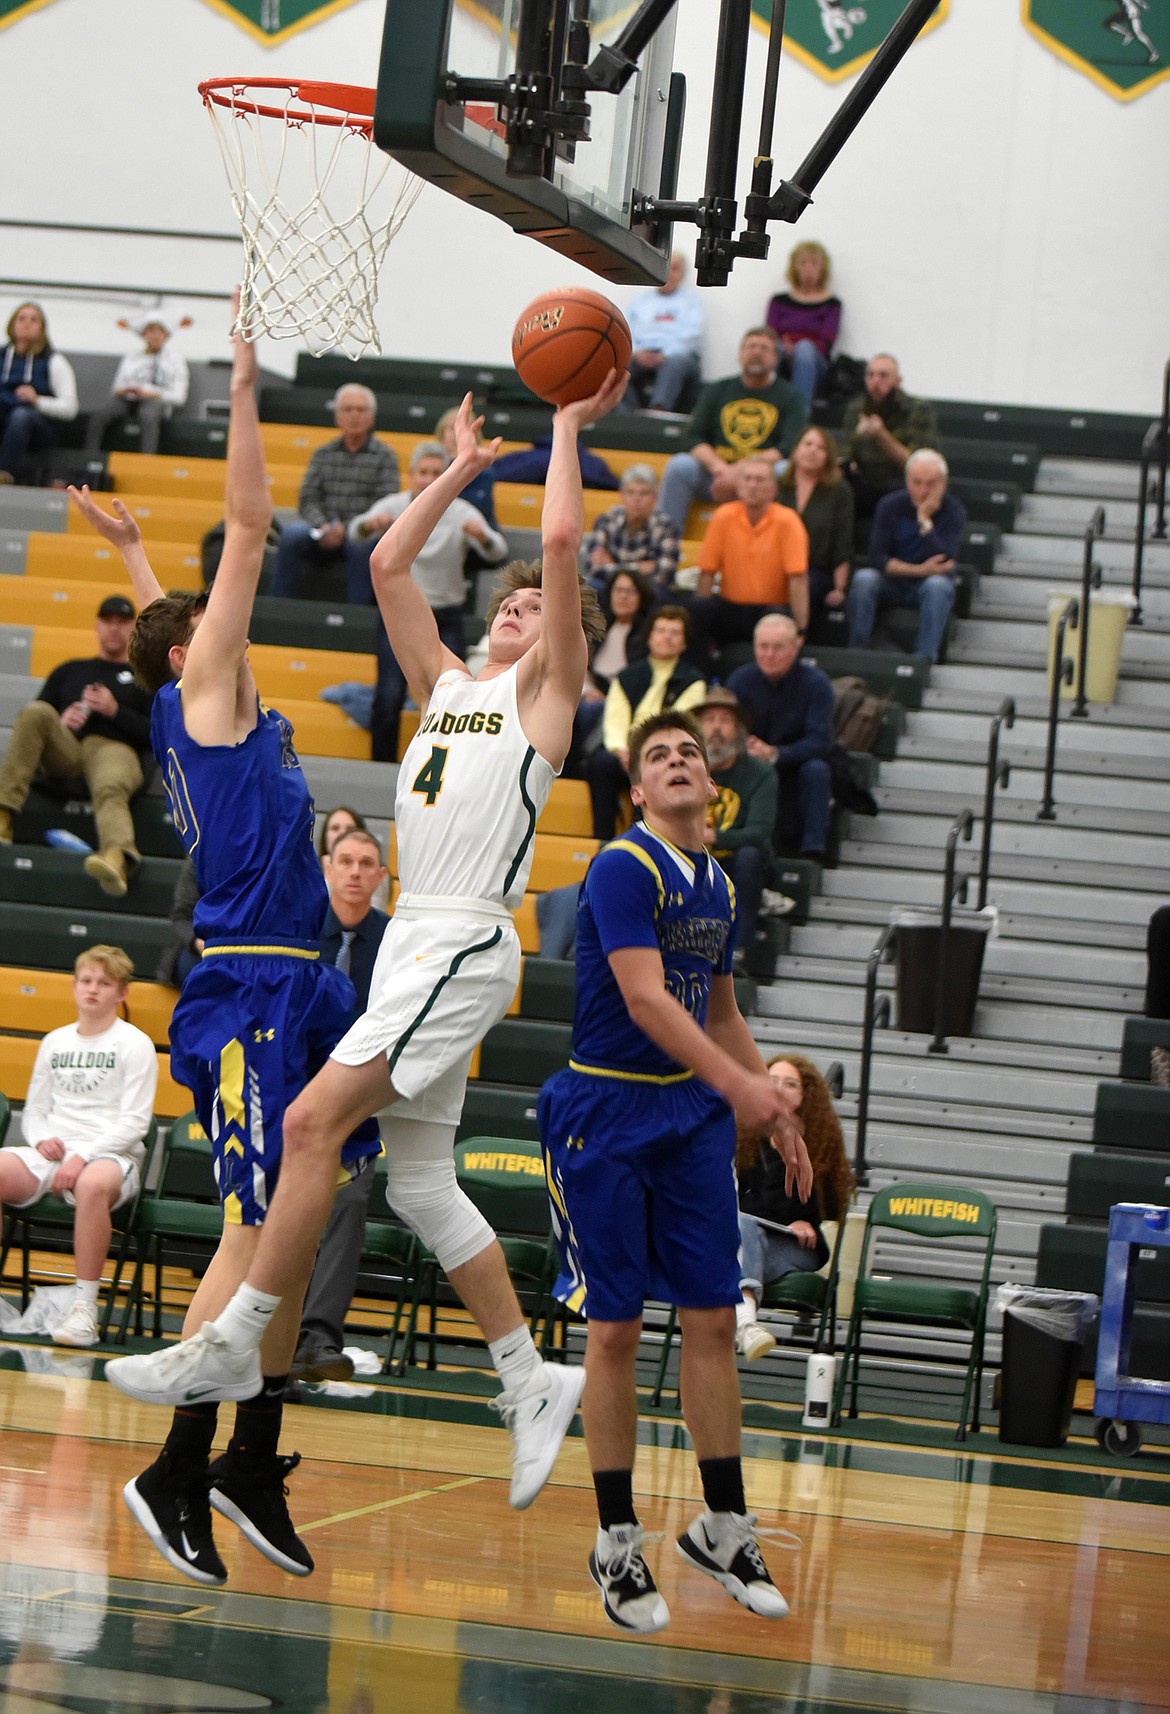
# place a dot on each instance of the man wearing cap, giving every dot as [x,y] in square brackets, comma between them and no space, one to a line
[740,820]
[345,478]
[90,722]
[149,385]
[789,708]
[634,533]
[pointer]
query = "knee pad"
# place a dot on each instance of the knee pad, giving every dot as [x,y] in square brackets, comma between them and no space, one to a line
[422,1189]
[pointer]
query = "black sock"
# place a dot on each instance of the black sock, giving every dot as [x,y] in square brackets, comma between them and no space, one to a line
[258,1419]
[615,1497]
[723,1484]
[192,1432]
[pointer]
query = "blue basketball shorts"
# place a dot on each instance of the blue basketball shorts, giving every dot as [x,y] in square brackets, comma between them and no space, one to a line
[641,1179]
[249,1031]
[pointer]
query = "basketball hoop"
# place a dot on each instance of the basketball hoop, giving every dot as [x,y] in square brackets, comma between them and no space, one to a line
[317,204]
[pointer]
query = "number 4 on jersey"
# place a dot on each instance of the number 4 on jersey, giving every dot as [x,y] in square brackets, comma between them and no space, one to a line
[429,782]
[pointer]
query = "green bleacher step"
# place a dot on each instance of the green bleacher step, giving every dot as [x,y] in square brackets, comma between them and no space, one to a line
[153,832]
[1097,1181]
[1132,1116]
[1072,1258]
[41,875]
[288,623]
[1138,1036]
[497,1111]
[521,1051]
[547,989]
[50,937]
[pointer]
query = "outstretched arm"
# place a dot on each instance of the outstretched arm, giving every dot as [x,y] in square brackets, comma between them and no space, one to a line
[122,532]
[562,653]
[211,673]
[406,612]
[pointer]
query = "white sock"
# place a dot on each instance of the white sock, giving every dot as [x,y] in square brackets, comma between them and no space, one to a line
[745,1312]
[514,1356]
[88,1291]
[246,1317]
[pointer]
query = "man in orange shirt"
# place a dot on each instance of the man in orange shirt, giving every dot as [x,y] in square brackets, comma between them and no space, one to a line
[760,552]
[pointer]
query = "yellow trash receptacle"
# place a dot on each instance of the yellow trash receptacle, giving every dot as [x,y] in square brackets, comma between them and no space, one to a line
[1108,618]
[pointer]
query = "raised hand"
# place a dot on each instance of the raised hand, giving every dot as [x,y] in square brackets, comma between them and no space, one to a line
[584,411]
[121,530]
[244,364]
[471,453]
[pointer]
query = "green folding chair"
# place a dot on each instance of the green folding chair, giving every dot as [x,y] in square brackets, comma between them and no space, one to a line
[183,1210]
[931,1213]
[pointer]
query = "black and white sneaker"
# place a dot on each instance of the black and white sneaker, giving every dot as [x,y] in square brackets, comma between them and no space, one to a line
[249,1490]
[628,1592]
[724,1545]
[170,1502]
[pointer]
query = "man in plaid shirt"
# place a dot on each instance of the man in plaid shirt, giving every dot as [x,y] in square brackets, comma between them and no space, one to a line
[344,478]
[635,533]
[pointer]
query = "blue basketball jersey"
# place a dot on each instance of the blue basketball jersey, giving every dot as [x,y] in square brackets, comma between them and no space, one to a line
[643,891]
[245,814]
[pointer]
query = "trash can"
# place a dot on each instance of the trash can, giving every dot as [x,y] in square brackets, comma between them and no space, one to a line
[1109,611]
[916,981]
[1043,1336]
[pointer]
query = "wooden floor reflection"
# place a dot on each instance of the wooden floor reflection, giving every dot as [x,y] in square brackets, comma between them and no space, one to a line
[943,1573]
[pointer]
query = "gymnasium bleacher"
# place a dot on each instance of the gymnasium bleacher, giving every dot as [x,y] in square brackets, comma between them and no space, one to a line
[1020,1108]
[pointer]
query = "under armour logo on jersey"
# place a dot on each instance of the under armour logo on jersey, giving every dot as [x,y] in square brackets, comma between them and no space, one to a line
[264,1035]
[575,1143]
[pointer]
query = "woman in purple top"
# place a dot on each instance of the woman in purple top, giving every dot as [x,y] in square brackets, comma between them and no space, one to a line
[806,318]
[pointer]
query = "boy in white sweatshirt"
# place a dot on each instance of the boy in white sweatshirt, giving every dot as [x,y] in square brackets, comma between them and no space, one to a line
[89,1106]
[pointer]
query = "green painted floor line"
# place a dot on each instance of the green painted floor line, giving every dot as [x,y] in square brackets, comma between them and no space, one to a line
[150,1646]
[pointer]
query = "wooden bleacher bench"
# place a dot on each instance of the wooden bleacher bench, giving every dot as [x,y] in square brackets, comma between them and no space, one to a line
[34,1001]
[161,519]
[90,560]
[167,477]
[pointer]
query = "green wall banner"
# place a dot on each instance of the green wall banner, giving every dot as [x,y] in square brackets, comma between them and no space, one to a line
[1123,45]
[12,10]
[835,38]
[272,21]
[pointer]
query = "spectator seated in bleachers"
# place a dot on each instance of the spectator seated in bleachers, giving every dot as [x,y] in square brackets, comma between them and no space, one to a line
[754,411]
[879,431]
[663,680]
[759,551]
[89,722]
[86,1117]
[186,948]
[666,327]
[148,386]
[740,821]
[481,490]
[350,937]
[344,478]
[626,603]
[814,488]
[530,464]
[634,533]
[767,1254]
[337,821]
[789,707]
[806,319]
[38,390]
[438,571]
[912,553]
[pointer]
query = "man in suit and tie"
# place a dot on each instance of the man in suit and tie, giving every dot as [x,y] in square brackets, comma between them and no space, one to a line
[350,938]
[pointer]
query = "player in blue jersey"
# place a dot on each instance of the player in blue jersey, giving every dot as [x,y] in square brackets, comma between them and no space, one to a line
[469,792]
[639,1141]
[261,1012]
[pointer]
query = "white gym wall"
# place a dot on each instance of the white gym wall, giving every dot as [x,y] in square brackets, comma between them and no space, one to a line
[997,221]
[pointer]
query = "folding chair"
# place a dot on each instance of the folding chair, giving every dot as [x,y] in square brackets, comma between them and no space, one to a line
[938,1213]
[52,1214]
[798,1293]
[184,1207]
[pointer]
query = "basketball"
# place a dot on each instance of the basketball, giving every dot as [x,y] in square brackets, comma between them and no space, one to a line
[566,342]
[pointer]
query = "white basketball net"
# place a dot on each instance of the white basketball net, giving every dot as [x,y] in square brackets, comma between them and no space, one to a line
[318,206]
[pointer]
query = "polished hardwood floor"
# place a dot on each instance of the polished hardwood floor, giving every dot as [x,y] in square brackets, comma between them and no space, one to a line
[921,1576]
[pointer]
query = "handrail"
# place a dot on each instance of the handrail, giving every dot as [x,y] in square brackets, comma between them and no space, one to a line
[1155,434]
[962,828]
[998,774]
[1090,578]
[877,1015]
[1062,673]
[1160,518]
[835,1079]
